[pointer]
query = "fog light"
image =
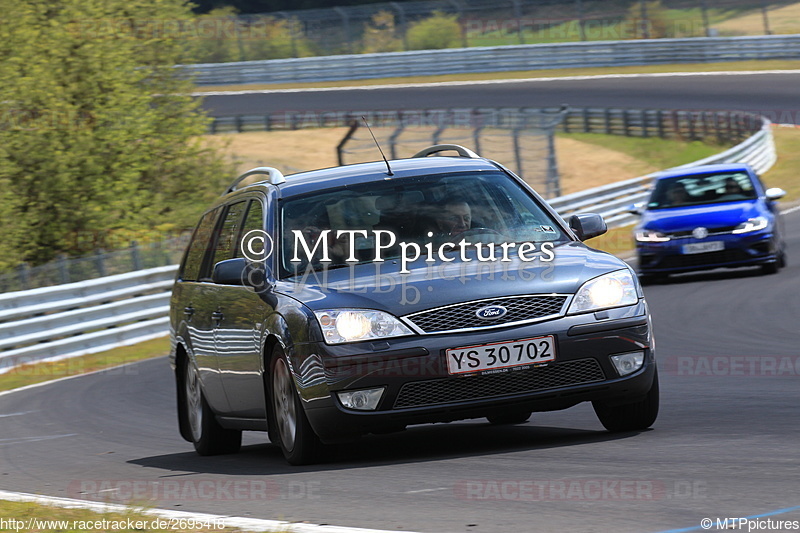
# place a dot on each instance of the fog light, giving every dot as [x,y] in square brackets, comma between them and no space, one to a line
[627,363]
[363,400]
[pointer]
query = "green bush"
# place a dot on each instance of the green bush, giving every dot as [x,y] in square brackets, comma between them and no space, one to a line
[380,34]
[97,133]
[435,32]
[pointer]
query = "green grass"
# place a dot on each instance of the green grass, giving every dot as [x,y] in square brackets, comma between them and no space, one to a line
[24,511]
[41,372]
[661,153]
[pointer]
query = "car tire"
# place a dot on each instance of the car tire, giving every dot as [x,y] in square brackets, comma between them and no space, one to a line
[298,441]
[652,279]
[208,437]
[770,268]
[509,418]
[630,416]
[782,259]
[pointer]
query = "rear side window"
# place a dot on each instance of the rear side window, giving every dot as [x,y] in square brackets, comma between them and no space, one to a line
[201,243]
[253,221]
[229,232]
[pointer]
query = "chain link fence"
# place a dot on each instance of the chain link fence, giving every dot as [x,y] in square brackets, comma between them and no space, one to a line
[522,140]
[436,24]
[137,256]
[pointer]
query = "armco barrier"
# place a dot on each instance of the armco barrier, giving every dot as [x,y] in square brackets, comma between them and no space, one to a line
[91,316]
[86,317]
[498,59]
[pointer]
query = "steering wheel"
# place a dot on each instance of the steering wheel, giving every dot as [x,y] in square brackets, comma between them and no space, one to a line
[481,231]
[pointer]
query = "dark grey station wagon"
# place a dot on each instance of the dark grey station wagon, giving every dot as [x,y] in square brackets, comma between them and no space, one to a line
[330,304]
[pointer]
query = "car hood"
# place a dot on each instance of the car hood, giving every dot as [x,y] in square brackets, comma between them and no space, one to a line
[709,216]
[381,286]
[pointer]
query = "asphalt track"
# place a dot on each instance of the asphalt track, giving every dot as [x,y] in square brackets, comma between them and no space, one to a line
[772,94]
[725,444]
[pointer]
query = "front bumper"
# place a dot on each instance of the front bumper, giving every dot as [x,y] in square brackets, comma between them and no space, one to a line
[419,389]
[739,251]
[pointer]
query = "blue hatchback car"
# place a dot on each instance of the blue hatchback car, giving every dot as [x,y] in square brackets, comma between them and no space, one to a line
[708,217]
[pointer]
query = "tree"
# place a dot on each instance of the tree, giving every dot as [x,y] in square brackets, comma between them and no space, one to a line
[435,32]
[380,34]
[97,132]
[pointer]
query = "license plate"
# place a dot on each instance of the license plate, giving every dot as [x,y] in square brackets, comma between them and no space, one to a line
[501,355]
[703,247]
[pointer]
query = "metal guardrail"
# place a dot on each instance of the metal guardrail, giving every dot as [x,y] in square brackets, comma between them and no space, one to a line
[498,59]
[81,318]
[91,316]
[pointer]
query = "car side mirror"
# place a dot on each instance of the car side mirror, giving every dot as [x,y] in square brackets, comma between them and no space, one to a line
[635,209]
[587,225]
[775,193]
[240,271]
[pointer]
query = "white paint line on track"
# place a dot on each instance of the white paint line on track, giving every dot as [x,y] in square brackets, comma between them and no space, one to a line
[27,440]
[425,490]
[493,82]
[246,524]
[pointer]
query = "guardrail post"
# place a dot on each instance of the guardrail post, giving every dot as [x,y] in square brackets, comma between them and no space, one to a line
[135,256]
[99,262]
[766,17]
[643,117]
[24,275]
[625,124]
[267,122]
[660,123]
[553,181]
[607,118]
[63,271]
[238,124]
[586,123]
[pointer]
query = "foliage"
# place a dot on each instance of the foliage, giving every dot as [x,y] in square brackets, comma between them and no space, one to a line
[440,30]
[380,34]
[96,131]
[657,23]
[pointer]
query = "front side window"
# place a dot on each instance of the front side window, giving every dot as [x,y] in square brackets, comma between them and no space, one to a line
[353,224]
[714,188]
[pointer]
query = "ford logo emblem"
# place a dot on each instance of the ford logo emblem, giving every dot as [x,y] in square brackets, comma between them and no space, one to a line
[700,233]
[491,312]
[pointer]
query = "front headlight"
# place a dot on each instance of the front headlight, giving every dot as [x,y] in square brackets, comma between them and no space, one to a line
[609,290]
[647,235]
[753,224]
[351,325]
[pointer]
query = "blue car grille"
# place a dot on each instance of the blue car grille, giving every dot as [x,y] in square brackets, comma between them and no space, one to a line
[466,388]
[710,258]
[462,316]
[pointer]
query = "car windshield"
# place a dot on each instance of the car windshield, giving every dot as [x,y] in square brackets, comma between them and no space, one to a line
[700,189]
[338,227]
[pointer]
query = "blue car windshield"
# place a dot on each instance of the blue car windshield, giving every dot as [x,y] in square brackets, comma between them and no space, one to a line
[484,207]
[702,189]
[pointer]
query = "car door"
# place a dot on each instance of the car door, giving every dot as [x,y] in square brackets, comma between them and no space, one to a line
[239,340]
[195,292]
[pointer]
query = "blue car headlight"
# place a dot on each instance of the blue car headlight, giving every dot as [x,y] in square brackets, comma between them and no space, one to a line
[753,224]
[646,235]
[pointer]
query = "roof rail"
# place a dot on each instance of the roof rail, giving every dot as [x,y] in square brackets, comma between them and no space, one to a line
[275,177]
[435,149]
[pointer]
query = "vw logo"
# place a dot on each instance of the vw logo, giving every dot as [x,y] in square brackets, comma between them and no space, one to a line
[700,233]
[491,311]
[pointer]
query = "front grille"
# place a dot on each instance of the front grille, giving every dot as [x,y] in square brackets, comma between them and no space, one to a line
[722,230]
[462,316]
[466,388]
[709,258]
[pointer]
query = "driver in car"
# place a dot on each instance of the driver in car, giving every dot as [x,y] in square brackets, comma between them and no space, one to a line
[454,217]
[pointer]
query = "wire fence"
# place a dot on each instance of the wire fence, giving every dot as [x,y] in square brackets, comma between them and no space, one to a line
[436,24]
[101,263]
[522,140]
